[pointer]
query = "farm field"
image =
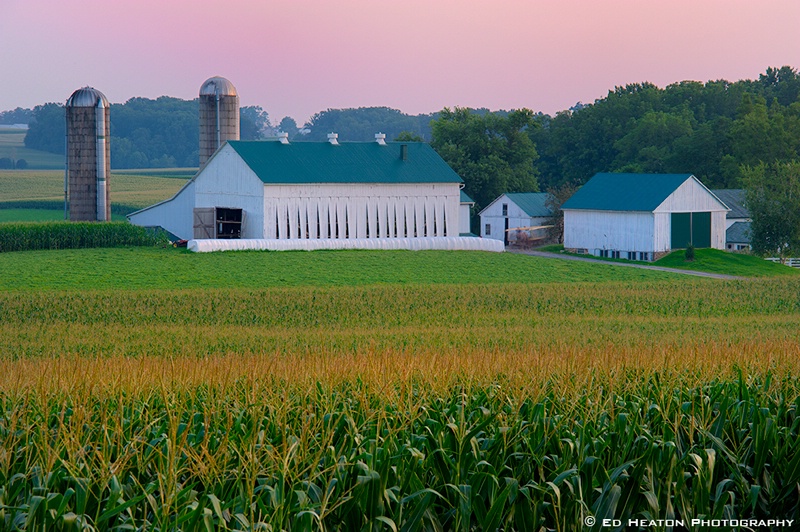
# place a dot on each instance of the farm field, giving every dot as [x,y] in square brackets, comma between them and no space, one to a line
[389,391]
[12,145]
[44,189]
[170,268]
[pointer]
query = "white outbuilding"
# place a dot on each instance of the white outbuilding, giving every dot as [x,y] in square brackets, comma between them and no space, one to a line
[642,216]
[516,215]
[277,190]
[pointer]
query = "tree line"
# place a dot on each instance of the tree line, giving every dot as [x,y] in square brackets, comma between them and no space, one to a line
[145,133]
[723,132]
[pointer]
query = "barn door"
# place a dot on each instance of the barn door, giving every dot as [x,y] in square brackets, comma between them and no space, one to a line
[701,229]
[681,230]
[691,228]
[204,223]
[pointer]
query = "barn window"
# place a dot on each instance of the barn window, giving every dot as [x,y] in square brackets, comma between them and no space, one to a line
[488,229]
[615,254]
[505,209]
[643,255]
[631,255]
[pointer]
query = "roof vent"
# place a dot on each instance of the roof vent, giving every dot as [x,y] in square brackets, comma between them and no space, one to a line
[380,138]
[333,138]
[283,138]
[404,152]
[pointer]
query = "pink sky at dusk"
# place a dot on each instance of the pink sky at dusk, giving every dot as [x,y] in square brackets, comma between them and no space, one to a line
[298,57]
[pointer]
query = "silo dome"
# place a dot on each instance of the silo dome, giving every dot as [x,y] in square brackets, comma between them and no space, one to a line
[88,97]
[217,86]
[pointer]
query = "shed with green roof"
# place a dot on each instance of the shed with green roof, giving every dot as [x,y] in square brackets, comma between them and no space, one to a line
[516,216]
[643,216]
[314,190]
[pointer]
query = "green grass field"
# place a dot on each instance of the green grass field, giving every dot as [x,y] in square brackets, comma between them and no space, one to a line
[706,260]
[717,261]
[27,191]
[136,268]
[12,145]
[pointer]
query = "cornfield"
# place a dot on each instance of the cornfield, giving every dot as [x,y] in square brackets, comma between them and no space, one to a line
[26,236]
[495,407]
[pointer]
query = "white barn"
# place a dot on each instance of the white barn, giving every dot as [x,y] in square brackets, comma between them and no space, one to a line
[513,214]
[642,216]
[314,190]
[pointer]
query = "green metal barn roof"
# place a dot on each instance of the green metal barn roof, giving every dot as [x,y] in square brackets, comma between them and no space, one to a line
[534,204]
[465,198]
[346,162]
[625,192]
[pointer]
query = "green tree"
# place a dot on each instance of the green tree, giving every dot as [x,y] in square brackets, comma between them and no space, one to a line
[362,123]
[47,129]
[648,145]
[408,136]
[17,116]
[289,125]
[253,122]
[772,195]
[492,153]
[555,199]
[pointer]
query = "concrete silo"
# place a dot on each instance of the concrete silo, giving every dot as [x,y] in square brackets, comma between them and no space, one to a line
[219,115]
[88,155]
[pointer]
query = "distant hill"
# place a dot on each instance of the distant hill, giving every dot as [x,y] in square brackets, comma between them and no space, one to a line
[12,146]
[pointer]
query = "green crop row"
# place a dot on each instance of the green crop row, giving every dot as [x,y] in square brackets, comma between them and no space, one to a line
[66,235]
[459,307]
[264,454]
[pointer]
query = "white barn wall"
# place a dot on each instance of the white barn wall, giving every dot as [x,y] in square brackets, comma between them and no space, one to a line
[226,181]
[174,214]
[463,218]
[662,231]
[718,228]
[357,210]
[691,196]
[614,230]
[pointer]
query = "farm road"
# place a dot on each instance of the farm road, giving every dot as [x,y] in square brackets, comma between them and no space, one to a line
[548,255]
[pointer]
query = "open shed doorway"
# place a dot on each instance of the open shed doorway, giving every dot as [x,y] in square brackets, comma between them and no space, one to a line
[218,222]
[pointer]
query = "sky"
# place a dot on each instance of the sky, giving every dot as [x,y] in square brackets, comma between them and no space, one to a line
[299,57]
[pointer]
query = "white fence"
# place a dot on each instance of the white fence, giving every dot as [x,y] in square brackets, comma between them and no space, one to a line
[794,263]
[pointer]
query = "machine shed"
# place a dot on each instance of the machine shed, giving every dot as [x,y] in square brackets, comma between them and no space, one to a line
[643,216]
[516,215]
